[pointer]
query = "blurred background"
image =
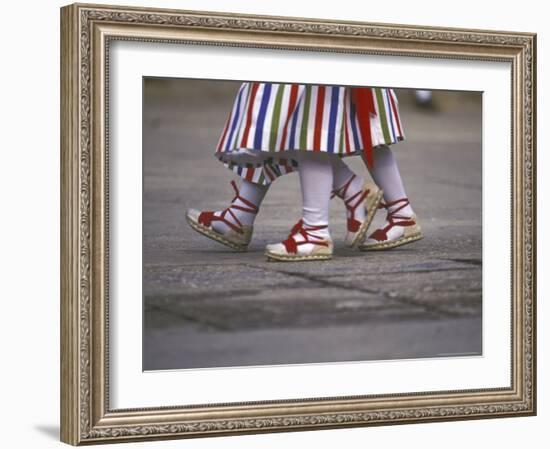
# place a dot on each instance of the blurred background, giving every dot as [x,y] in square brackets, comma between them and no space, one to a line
[207,306]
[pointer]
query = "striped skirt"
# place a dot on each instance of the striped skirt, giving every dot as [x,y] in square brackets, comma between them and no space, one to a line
[269,122]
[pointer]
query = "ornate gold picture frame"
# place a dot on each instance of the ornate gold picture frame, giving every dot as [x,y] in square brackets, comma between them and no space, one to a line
[87,31]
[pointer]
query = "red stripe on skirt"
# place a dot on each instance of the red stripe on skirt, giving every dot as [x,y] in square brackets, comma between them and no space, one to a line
[222,141]
[249,173]
[394,109]
[249,113]
[319,118]
[291,105]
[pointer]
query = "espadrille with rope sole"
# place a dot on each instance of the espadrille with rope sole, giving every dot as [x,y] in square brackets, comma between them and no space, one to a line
[411,230]
[238,235]
[292,249]
[369,198]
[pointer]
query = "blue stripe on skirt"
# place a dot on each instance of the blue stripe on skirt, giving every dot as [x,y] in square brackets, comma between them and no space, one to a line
[332,119]
[354,126]
[235,120]
[388,107]
[261,116]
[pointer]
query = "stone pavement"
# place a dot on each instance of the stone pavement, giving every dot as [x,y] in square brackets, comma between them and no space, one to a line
[207,306]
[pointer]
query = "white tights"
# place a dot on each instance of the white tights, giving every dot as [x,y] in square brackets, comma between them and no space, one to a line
[250,191]
[316,178]
[320,173]
[385,174]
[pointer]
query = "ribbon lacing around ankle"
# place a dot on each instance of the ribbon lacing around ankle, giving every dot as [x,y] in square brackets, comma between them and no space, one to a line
[302,229]
[295,228]
[206,218]
[393,219]
[352,203]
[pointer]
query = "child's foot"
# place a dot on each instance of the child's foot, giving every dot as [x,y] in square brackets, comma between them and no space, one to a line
[303,243]
[225,226]
[361,201]
[401,227]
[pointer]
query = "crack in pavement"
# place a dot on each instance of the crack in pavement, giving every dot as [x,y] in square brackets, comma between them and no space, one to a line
[430,308]
[422,270]
[476,262]
[319,281]
[377,273]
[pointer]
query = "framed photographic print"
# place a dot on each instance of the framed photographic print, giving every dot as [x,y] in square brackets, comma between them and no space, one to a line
[280,224]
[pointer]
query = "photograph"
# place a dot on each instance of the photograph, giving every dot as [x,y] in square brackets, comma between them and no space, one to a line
[279,224]
[297,223]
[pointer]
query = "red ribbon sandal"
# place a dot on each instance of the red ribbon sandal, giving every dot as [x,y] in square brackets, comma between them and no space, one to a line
[288,250]
[369,197]
[238,236]
[379,239]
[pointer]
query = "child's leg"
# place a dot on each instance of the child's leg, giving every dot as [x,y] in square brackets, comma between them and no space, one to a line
[231,226]
[361,200]
[386,175]
[241,210]
[345,177]
[316,178]
[310,238]
[401,224]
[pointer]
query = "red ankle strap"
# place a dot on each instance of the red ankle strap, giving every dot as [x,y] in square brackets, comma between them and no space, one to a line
[352,203]
[341,191]
[301,228]
[251,209]
[206,218]
[384,205]
[393,219]
[296,228]
[393,213]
